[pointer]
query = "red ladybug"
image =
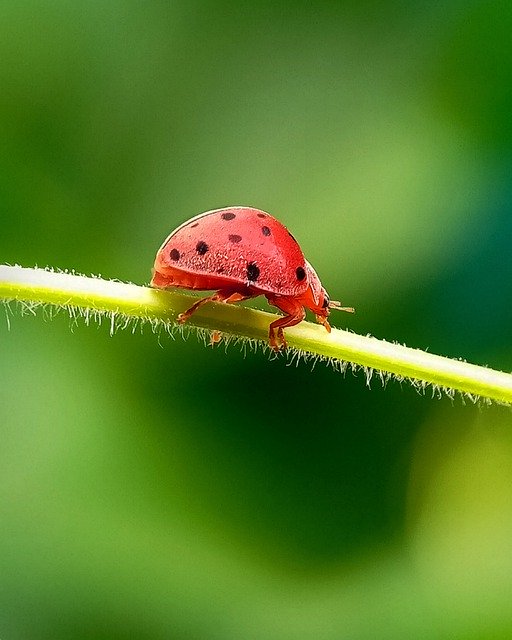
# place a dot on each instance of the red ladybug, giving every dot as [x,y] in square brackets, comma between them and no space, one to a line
[243,253]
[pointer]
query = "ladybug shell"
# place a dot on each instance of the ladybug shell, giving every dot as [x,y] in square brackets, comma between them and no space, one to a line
[232,247]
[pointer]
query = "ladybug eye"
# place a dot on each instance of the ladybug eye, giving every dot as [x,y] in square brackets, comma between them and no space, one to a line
[326,301]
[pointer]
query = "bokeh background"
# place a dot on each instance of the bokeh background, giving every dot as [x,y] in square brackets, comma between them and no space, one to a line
[154,488]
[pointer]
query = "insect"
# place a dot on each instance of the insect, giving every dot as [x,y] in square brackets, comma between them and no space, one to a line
[242,253]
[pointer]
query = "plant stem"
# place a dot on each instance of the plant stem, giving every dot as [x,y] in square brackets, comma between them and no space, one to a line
[90,296]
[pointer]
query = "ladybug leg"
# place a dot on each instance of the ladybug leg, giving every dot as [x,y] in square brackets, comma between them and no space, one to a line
[224,295]
[323,320]
[295,313]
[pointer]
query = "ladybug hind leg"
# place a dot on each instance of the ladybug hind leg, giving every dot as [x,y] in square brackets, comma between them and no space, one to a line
[224,295]
[295,313]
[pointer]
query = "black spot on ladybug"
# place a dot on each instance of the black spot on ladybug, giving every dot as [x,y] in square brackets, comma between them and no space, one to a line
[228,216]
[234,238]
[253,272]
[174,254]
[261,215]
[300,273]
[194,225]
[201,247]
[265,231]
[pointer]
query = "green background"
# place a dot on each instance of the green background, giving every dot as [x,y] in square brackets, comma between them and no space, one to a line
[153,488]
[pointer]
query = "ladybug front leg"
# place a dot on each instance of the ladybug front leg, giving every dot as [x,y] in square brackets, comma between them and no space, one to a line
[295,313]
[224,295]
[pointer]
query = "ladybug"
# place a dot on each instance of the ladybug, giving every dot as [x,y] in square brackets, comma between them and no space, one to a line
[243,253]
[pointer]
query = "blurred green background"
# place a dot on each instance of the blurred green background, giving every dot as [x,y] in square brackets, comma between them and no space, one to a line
[154,488]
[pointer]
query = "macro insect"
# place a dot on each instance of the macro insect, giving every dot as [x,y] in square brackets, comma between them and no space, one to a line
[242,253]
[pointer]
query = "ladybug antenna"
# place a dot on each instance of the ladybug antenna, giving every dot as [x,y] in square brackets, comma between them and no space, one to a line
[334,304]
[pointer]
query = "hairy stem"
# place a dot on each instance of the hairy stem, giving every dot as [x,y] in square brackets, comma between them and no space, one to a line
[121,302]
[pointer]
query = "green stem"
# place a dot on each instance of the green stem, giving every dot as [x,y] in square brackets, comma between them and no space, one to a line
[93,297]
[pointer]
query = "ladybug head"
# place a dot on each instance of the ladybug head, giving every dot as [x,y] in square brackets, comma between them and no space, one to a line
[317,299]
